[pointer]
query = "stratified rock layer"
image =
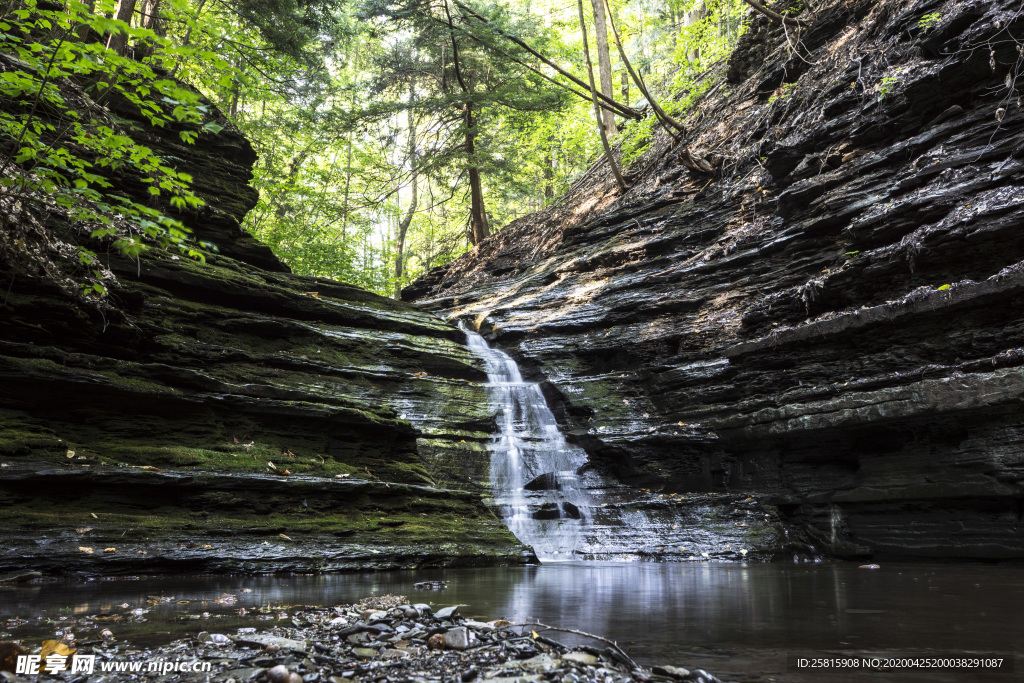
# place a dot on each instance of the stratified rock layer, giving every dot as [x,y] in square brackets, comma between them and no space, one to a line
[833,320]
[230,416]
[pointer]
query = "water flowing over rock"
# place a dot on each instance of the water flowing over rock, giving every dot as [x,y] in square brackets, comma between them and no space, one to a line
[554,502]
[832,320]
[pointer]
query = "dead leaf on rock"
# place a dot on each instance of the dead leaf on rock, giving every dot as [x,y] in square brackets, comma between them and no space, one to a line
[94,515]
[284,537]
[55,647]
[83,529]
[110,550]
[9,653]
[85,549]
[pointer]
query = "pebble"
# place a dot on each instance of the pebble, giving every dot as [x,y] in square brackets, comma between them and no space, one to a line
[446,613]
[459,638]
[278,674]
[405,643]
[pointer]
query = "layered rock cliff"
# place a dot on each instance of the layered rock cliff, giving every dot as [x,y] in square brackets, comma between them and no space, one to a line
[231,416]
[832,320]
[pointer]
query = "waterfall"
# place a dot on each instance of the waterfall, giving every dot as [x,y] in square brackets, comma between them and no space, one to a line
[534,472]
[550,503]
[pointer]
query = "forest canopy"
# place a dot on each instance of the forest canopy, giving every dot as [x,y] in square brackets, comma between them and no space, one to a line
[392,135]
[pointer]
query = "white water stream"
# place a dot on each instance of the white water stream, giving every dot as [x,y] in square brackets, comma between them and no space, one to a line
[534,472]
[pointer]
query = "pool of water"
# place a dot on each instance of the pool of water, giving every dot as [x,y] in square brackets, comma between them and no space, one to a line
[741,621]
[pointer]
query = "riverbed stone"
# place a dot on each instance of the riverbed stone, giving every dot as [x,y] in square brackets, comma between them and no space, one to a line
[673,671]
[446,612]
[264,640]
[542,662]
[459,638]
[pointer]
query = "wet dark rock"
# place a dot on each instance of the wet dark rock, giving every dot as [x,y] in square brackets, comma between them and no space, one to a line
[446,612]
[458,638]
[831,324]
[430,585]
[215,397]
[545,482]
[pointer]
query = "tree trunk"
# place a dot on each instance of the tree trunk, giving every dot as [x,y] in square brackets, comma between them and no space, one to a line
[118,42]
[549,172]
[82,30]
[152,20]
[698,13]
[348,161]
[478,228]
[597,108]
[403,226]
[188,37]
[604,63]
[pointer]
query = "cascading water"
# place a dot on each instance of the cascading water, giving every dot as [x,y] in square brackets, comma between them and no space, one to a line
[534,472]
[565,511]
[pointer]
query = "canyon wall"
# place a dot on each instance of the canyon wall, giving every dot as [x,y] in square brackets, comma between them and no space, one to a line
[230,416]
[831,321]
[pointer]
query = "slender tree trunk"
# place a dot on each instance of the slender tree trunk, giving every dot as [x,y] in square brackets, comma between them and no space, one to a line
[685,156]
[597,108]
[658,111]
[348,161]
[348,185]
[152,20]
[188,37]
[82,32]
[236,95]
[695,15]
[604,63]
[403,226]
[549,172]
[118,42]
[478,228]
[624,84]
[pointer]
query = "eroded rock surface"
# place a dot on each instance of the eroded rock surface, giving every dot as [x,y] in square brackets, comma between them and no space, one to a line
[832,320]
[230,416]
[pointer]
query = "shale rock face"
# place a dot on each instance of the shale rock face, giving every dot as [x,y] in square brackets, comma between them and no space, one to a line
[231,416]
[833,320]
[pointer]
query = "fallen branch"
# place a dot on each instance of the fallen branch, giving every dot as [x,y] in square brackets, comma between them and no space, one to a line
[610,643]
[621,109]
[772,14]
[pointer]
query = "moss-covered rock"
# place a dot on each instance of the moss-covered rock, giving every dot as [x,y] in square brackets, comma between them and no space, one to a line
[239,375]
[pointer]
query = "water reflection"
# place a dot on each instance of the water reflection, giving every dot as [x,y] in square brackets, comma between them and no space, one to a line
[661,613]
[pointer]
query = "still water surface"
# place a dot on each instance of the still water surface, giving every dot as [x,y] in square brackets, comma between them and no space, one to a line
[733,619]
